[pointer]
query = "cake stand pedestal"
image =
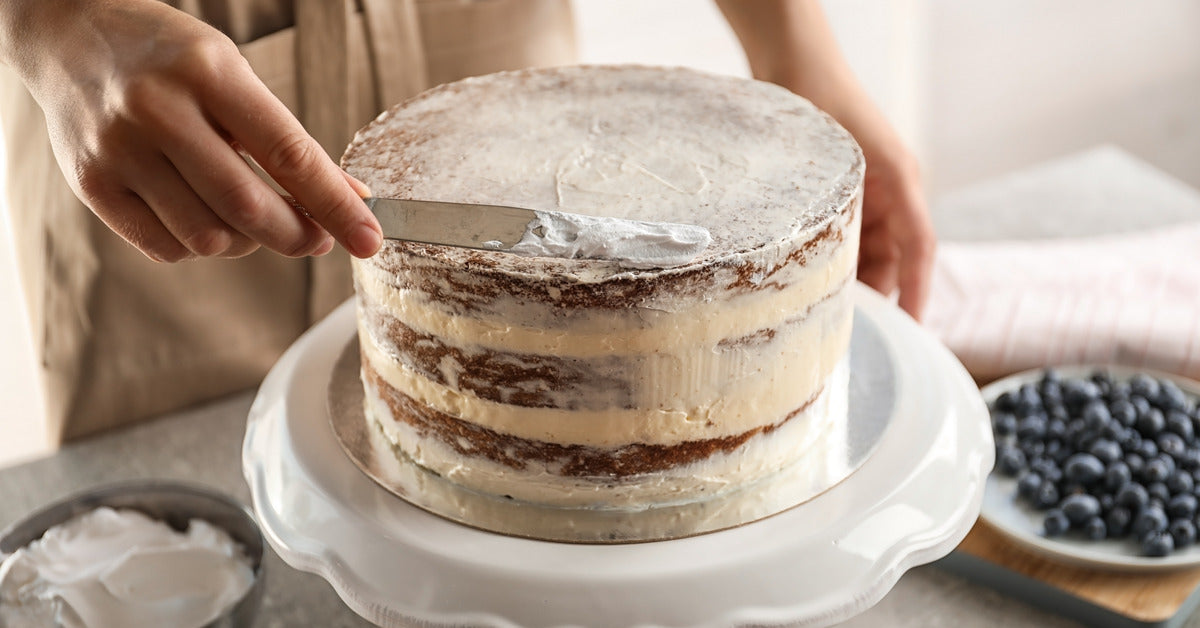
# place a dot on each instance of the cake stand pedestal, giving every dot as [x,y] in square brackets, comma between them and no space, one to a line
[819,563]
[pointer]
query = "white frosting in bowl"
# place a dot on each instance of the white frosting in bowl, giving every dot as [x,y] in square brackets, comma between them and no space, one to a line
[120,568]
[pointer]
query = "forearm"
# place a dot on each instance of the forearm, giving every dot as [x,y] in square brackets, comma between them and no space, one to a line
[789,42]
[27,31]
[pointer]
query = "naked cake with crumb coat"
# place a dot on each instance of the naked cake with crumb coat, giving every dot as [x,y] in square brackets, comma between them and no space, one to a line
[587,383]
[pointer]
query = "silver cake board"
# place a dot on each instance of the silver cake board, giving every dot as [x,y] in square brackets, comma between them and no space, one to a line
[872,397]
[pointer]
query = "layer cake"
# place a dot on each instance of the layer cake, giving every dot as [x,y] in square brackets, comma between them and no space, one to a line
[590,383]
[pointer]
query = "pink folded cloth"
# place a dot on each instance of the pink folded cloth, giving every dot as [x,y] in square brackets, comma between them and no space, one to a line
[1130,299]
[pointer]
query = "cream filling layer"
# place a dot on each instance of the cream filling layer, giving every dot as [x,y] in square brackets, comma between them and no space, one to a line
[673,408]
[816,436]
[634,330]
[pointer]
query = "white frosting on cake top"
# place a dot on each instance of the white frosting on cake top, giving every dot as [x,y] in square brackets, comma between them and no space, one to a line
[749,161]
[630,243]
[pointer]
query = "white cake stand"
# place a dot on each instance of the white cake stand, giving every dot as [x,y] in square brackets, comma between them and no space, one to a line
[817,564]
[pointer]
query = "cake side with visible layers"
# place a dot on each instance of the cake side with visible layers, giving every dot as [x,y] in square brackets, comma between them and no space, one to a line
[580,383]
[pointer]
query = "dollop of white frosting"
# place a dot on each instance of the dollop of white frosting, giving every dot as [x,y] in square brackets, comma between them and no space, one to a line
[630,243]
[120,568]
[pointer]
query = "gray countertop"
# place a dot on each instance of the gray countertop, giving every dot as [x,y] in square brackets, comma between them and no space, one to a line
[1086,194]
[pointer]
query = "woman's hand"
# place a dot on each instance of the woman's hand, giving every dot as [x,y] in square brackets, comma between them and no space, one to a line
[145,104]
[897,247]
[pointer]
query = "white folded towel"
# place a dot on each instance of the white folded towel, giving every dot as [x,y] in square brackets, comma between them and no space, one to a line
[1130,299]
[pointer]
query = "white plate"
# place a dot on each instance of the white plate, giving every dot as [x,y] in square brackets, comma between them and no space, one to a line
[815,565]
[1022,523]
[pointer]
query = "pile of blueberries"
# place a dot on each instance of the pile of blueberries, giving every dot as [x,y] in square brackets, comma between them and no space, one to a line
[1105,458]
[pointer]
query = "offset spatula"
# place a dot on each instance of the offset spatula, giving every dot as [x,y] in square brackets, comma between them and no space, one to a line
[491,227]
[536,233]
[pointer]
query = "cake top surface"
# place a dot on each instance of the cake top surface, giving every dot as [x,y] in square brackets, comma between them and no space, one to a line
[749,161]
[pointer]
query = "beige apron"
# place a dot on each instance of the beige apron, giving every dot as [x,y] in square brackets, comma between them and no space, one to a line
[120,338]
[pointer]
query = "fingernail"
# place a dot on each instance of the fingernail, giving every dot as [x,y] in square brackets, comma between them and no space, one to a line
[324,249]
[364,241]
[360,188]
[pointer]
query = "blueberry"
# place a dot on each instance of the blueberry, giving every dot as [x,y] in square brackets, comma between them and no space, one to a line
[1181,424]
[1055,523]
[1010,460]
[1047,496]
[1136,463]
[1170,397]
[1151,423]
[1107,501]
[1096,415]
[1106,451]
[1183,533]
[1159,491]
[1123,412]
[1004,424]
[1083,468]
[1143,385]
[1130,441]
[1182,506]
[1119,392]
[1007,401]
[1056,429]
[1050,376]
[1080,507]
[1077,392]
[1190,459]
[1149,519]
[1158,544]
[1156,470]
[1032,427]
[1095,529]
[1140,403]
[1168,462]
[1172,444]
[1180,482]
[1033,447]
[1028,485]
[1113,431]
[1133,496]
[1117,520]
[1028,401]
[1058,412]
[1116,475]
[1147,449]
[1048,469]
[1052,395]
